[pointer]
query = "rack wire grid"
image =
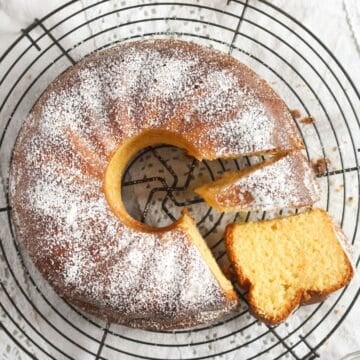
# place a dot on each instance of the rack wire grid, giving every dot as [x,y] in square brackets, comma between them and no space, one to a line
[301,69]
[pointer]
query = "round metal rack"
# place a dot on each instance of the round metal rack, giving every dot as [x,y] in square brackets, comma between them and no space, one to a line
[301,69]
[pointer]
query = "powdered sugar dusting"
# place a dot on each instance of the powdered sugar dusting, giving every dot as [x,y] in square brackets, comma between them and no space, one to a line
[151,278]
[286,183]
[251,128]
[245,126]
[150,86]
[62,151]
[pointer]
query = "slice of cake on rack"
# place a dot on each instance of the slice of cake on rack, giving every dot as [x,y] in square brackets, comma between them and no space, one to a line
[285,181]
[288,261]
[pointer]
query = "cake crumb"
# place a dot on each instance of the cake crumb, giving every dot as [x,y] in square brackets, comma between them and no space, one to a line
[295,113]
[307,120]
[350,199]
[320,166]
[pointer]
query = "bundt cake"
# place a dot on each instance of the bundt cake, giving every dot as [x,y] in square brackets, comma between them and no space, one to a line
[285,181]
[70,155]
[288,261]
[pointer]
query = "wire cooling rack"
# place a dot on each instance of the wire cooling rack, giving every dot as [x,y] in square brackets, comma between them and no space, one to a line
[301,69]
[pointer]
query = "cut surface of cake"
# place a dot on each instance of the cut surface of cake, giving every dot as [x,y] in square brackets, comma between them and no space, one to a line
[286,181]
[288,261]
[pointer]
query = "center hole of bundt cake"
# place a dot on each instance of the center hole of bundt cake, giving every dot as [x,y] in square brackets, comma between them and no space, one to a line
[158,184]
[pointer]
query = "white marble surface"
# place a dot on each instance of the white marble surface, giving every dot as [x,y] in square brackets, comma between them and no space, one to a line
[335,22]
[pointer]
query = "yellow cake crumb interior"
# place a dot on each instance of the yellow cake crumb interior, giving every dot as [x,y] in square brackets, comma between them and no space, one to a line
[268,259]
[284,259]
[326,262]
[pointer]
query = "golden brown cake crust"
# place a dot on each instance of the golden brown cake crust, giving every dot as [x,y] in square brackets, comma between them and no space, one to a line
[202,98]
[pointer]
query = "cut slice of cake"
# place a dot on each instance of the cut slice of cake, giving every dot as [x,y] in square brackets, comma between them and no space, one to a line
[286,181]
[288,261]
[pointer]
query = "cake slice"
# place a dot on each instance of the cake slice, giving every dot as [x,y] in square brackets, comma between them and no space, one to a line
[286,181]
[287,261]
